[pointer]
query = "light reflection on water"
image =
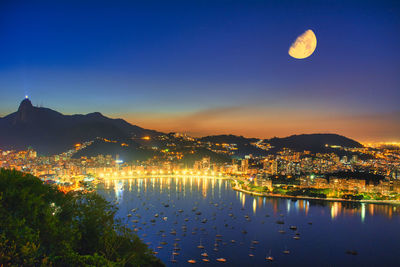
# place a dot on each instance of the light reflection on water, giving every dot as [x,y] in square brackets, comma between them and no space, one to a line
[343,225]
[202,185]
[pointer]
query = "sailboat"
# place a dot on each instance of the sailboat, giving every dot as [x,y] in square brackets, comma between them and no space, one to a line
[173,258]
[286,251]
[204,254]
[269,257]
[200,246]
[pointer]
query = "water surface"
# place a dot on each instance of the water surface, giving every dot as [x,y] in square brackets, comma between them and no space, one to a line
[327,230]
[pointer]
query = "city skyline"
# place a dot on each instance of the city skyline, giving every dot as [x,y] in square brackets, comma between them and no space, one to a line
[211,68]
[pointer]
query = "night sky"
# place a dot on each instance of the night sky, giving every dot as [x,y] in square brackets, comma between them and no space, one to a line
[208,67]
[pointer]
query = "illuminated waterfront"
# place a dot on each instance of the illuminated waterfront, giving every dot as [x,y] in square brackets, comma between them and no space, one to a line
[192,211]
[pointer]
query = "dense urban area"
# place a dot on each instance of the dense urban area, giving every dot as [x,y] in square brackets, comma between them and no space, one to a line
[366,173]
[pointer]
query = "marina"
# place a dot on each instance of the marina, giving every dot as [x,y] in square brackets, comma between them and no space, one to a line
[197,220]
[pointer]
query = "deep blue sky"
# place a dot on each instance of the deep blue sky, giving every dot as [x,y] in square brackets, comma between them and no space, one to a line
[208,66]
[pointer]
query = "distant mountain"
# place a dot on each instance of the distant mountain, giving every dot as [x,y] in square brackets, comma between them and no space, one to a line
[243,144]
[316,143]
[131,151]
[312,142]
[50,132]
[228,139]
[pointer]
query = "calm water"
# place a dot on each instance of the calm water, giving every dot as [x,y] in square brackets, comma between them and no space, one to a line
[371,230]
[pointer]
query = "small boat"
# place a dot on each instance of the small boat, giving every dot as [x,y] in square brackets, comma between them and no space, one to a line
[282,231]
[352,252]
[255,241]
[204,254]
[200,245]
[205,260]
[251,255]
[221,259]
[218,235]
[165,218]
[129,215]
[286,251]
[159,247]
[233,241]
[192,261]
[269,257]
[296,237]
[293,227]
[175,253]
[156,215]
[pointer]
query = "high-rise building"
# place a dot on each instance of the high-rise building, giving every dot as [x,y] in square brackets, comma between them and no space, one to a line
[245,165]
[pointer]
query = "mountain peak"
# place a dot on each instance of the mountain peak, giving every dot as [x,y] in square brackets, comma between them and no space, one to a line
[95,114]
[50,132]
[25,105]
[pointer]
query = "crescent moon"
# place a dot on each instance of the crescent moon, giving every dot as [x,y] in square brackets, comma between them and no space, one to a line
[304,46]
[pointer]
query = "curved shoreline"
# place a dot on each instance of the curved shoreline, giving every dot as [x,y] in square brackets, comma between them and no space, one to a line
[163,176]
[387,202]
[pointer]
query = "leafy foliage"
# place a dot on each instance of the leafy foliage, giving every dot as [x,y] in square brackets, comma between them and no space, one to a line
[41,226]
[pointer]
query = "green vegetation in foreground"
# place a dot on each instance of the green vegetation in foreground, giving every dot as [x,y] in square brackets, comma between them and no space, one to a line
[41,226]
